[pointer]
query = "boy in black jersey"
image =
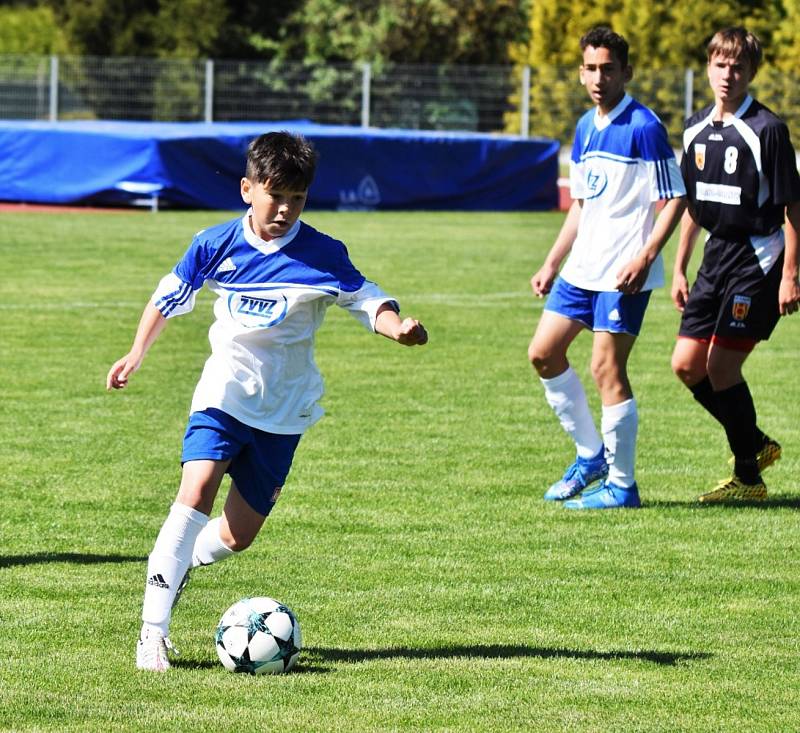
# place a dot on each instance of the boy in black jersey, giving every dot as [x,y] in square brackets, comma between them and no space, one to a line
[742,186]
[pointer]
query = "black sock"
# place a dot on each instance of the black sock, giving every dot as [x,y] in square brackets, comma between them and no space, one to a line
[704,393]
[737,413]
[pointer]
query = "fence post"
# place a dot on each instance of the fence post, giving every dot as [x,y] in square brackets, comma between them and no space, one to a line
[688,99]
[53,88]
[525,102]
[366,82]
[209,105]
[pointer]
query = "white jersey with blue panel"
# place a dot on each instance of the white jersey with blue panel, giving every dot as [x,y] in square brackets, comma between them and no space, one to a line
[272,298]
[621,165]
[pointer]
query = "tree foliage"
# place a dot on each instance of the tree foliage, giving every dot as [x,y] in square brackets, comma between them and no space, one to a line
[30,30]
[665,40]
[403,31]
[175,28]
[312,31]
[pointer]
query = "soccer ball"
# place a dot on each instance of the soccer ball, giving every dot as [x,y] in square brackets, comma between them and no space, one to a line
[258,636]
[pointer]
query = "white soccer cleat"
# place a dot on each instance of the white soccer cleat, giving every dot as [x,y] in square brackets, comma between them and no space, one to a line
[152,652]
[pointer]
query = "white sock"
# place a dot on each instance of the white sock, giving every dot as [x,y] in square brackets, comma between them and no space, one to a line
[168,563]
[565,394]
[209,547]
[620,424]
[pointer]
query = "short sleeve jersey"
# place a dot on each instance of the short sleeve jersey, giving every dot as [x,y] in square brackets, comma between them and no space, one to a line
[740,174]
[621,165]
[271,299]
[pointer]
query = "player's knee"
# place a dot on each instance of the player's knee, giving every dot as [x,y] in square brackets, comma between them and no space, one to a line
[685,370]
[543,360]
[605,370]
[238,544]
[236,541]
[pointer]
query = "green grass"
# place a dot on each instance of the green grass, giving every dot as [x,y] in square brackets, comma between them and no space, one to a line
[435,589]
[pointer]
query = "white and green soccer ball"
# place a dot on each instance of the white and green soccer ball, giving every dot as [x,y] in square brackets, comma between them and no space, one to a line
[258,636]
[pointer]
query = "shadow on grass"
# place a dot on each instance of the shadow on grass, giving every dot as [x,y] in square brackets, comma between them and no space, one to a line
[311,656]
[304,665]
[499,651]
[73,558]
[779,501]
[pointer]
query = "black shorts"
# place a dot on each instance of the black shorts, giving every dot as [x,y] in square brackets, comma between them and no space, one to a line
[732,298]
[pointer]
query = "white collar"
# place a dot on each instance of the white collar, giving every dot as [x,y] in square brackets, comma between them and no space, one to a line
[601,122]
[743,107]
[274,244]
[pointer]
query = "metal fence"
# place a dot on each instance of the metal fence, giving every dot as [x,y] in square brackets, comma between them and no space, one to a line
[542,101]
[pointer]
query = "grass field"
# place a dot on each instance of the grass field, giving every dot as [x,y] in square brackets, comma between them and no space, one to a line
[436,590]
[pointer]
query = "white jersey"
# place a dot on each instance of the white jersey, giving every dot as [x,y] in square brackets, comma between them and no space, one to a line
[272,299]
[621,165]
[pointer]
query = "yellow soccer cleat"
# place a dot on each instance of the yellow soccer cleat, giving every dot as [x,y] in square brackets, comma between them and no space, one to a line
[734,489]
[769,453]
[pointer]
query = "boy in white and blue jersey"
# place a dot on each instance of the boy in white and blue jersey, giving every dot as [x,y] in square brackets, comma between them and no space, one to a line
[621,166]
[275,277]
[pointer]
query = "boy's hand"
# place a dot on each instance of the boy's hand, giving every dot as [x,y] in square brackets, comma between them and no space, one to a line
[543,280]
[788,296]
[680,290]
[411,332]
[632,276]
[118,374]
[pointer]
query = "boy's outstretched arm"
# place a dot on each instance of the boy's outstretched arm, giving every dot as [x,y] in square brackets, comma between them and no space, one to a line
[151,324]
[408,332]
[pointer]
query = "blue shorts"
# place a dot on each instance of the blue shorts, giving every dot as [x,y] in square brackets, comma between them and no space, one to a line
[259,461]
[612,311]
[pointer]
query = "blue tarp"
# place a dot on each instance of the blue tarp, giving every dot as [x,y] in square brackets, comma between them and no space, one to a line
[200,165]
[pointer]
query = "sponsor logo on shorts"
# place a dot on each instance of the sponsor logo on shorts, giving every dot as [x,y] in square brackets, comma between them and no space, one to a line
[276,494]
[741,307]
[614,315]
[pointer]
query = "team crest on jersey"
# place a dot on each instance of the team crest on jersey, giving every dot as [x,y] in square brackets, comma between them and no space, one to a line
[596,182]
[257,309]
[741,307]
[700,155]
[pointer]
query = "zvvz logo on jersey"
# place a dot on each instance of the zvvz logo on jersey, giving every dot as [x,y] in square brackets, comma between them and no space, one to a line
[257,312]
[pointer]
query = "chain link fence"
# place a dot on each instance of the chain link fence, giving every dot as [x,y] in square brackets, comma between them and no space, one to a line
[541,101]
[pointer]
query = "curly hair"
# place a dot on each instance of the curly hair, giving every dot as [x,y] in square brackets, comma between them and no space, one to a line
[603,37]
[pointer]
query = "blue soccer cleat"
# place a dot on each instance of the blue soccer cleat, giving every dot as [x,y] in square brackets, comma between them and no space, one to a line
[580,475]
[607,496]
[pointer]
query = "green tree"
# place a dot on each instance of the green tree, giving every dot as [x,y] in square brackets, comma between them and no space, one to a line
[30,30]
[401,31]
[665,40]
[165,28]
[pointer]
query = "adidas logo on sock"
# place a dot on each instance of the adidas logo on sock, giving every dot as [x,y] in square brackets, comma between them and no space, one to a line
[158,581]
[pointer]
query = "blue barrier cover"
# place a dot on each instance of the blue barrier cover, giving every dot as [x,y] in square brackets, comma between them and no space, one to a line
[199,165]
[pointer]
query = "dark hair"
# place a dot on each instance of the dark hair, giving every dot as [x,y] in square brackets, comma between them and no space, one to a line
[736,43]
[285,160]
[603,37]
